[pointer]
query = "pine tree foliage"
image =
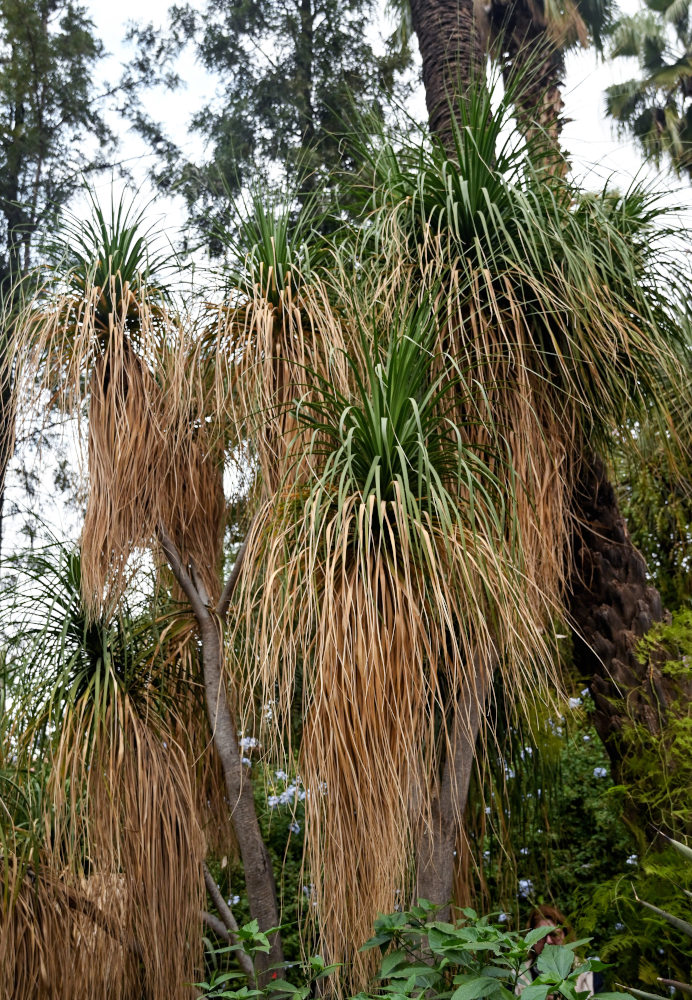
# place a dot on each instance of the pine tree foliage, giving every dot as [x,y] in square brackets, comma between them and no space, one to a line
[47,108]
[287,74]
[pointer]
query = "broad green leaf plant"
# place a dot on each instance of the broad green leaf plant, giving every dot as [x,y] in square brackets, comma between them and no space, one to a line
[474,959]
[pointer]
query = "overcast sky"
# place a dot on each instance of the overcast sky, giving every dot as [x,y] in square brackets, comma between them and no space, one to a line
[596,153]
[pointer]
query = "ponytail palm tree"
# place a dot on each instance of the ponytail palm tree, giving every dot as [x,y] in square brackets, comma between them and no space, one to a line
[101,843]
[160,389]
[383,577]
[156,401]
[276,323]
[608,597]
[562,306]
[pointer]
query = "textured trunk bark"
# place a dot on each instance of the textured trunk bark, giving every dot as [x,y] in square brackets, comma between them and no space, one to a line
[259,876]
[451,39]
[533,63]
[435,862]
[612,606]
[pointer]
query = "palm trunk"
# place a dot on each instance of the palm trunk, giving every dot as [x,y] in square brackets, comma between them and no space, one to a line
[533,65]
[452,46]
[612,605]
[452,40]
[435,862]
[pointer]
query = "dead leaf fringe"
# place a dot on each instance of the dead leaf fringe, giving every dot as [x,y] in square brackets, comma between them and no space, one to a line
[486,345]
[273,341]
[61,937]
[127,469]
[544,352]
[155,451]
[375,617]
[195,507]
[121,866]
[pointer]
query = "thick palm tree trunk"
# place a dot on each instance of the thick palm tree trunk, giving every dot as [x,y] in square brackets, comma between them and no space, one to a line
[533,63]
[611,606]
[451,38]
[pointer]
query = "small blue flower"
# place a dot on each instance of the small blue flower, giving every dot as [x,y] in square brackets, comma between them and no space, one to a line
[525,887]
[600,772]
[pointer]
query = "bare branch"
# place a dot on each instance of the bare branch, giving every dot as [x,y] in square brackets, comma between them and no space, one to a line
[216,925]
[225,599]
[182,576]
[230,924]
[224,909]
[259,876]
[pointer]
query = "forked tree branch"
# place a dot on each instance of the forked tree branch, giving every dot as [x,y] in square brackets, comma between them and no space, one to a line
[259,876]
[200,610]
[231,582]
[216,925]
[229,925]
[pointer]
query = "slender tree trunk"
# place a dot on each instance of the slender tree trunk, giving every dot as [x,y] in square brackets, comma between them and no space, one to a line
[14,222]
[259,876]
[7,419]
[435,862]
[304,75]
[451,38]
[612,605]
